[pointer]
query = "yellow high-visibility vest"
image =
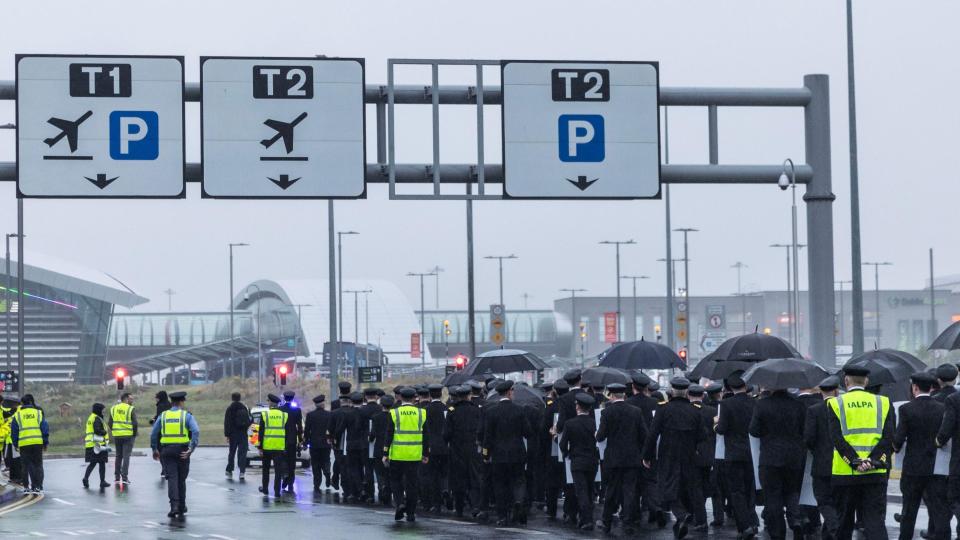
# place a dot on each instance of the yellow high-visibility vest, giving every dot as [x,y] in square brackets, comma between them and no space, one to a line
[88,439]
[862,416]
[122,416]
[274,433]
[173,427]
[28,420]
[408,424]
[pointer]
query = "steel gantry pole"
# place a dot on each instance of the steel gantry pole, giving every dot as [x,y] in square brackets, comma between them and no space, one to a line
[686,283]
[876,293]
[332,295]
[671,282]
[21,308]
[636,309]
[340,278]
[616,244]
[841,337]
[500,259]
[856,276]
[8,305]
[791,182]
[423,331]
[232,333]
[436,296]
[743,298]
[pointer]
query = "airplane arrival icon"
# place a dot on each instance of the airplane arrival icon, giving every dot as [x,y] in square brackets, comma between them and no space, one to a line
[68,129]
[285,131]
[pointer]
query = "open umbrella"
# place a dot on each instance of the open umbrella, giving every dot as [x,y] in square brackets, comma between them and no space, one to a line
[504,361]
[457,377]
[641,355]
[603,376]
[887,365]
[523,395]
[784,373]
[949,339]
[711,368]
[755,347]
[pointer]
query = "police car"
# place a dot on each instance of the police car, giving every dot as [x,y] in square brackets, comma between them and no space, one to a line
[253,439]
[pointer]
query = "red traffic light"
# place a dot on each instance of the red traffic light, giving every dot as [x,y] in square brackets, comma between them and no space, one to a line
[283,369]
[460,361]
[683,354]
[120,373]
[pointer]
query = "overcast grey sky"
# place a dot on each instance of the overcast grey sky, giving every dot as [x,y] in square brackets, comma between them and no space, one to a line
[906,60]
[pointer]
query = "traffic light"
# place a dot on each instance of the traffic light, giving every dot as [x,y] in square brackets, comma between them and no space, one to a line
[119,374]
[683,355]
[446,328]
[460,362]
[282,370]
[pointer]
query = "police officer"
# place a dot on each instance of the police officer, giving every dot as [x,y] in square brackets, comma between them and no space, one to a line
[504,435]
[672,440]
[315,434]
[434,473]
[273,445]
[406,446]
[30,435]
[343,399]
[816,435]
[624,430]
[949,430]
[736,468]
[351,435]
[947,379]
[123,428]
[647,487]
[555,473]
[706,452]
[370,408]
[173,439]
[568,402]
[460,434]
[95,439]
[917,426]
[380,421]
[578,444]
[294,438]
[862,428]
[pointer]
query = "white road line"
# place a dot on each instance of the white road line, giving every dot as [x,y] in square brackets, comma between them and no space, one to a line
[221,537]
[154,523]
[191,535]
[61,501]
[105,512]
[88,533]
[523,531]
[71,533]
[37,533]
[206,484]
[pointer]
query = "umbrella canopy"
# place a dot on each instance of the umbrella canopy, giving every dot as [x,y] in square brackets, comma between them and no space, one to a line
[504,361]
[754,347]
[603,376]
[711,368]
[523,395]
[641,355]
[887,365]
[784,373]
[949,339]
[457,377]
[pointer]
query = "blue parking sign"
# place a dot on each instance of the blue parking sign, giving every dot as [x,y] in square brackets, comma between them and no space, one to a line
[581,138]
[134,135]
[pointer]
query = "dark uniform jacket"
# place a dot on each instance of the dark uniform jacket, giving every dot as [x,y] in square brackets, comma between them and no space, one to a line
[679,429]
[368,411]
[944,393]
[950,429]
[577,443]
[504,433]
[816,436]
[436,412]
[778,423]
[546,422]
[623,428]
[352,423]
[881,452]
[809,400]
[707,449]
[316,428]
[236,419]
[461,428]
[567,404]
[917,426]
[294,427]
[380,421]
[646,404]
[736,412]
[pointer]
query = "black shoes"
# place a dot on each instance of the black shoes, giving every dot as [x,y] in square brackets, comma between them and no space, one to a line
[662,519]
[603,526]
[104,484]
[748,534]
[586,527]
[680,528]
[86,484]
[411,517]
[398,515]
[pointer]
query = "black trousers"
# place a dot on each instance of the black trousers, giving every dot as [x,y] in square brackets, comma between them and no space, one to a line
[826,505]
[290,462]
[338,460]
[781,487]
[369,476]
[620,489]
[465,479]
[699,507]
[581,495]
[320,465]
[932,490]
[276,458]
[509,481]
[32,459]
[555,481]
[177,470]
[867,501]
[738,477]
[405,483]
[953,497]
[237,452]
[94,464]
[434,474]
[352,472]
[384,491]
[13,464]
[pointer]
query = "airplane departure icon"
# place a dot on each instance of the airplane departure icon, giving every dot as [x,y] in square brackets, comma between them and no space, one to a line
[67,129]
[284,130]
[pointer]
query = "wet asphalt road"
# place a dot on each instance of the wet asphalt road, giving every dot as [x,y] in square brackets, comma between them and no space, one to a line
[225,509]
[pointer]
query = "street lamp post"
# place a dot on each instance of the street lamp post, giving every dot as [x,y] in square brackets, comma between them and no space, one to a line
[792,310]
[259,344]
[575,324]
[169,293]
[876,291]
[340,280]
[840,283]
[743,299]
[356,328]
[686,279]
[635,309]
[296,351]
[791,182]
[6,298]
[242,368]
[856,277]
[617,244]
[436,297]
[499,259]
[423,344]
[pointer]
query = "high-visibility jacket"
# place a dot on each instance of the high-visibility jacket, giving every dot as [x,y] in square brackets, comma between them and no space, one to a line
[122,417]
[90,434]
[408,424]
[862,416]
[274,430]
[173,427]
[28,421]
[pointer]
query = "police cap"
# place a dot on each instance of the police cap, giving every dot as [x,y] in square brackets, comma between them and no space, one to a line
[476,386]
[829,384]
[640,379]
[320,399]
[397,388]
[423,390]
[653,386]
[547,386]
[387,401]
[696,390]
[734,382]
[561,385]
[856,371]
[616,388]
[356,397]
[176,396]
[272,398]
[289,394]
[371,391]
[504,386]
[922,377]
[585,400]
[714,388]
[679,383]
[344,387]
[380,392]
[435,387]
[572,376]
[408,393]
[947,372]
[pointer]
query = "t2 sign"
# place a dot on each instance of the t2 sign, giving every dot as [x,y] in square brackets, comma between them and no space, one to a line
[283,82]
[581,84]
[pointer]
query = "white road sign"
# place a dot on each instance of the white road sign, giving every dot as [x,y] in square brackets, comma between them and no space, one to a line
[282,127]
[100,126]
[581,130]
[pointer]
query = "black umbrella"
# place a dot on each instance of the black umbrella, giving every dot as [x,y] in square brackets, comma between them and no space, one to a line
[522,395]
[457,377]
[603,376]
[504,361]
[784,373]
[711,368]
[949,339]
[754,347]
[641,355]
[887,365]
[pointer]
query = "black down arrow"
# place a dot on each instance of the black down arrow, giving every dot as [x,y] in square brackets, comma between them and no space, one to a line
[284,182]
[101,181]
[582,182]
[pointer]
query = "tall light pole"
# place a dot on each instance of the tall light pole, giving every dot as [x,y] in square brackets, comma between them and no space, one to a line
[500,259]
[299,307]
[743,299]
[575,324]
[242,363]
[259,343]
[686,279]
[7,304]
[356,328]
[672,269]
[933,303]
[791,182]
[856,276]
[436,298]
[617,244]
[635,309]
[876,290]
[841,283]
[340,279]
[423,344]
[169,293]
[792,309]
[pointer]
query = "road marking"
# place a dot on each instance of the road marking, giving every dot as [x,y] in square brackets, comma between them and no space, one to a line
[37,533]
[453,521]
[522,531]
[206,484]
[71,533]
[105,512]
[22,503]
[221,537]
[61,501]
[191,535]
